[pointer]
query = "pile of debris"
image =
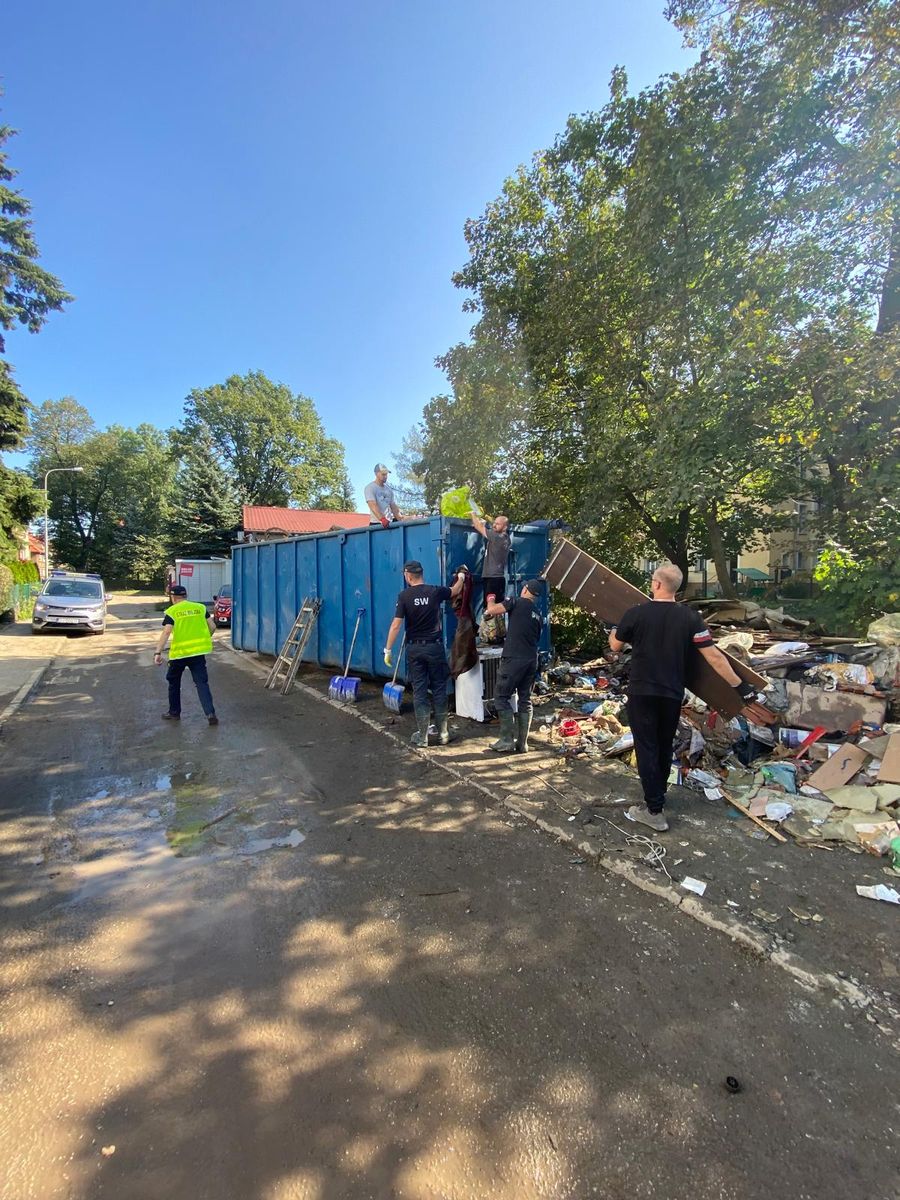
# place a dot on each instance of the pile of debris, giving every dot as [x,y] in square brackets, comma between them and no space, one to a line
[826,771]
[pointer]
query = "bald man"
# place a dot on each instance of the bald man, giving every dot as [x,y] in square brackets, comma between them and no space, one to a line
[493,571]
[661,635]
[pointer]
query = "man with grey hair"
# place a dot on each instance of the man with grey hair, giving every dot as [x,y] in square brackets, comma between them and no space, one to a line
[661,635]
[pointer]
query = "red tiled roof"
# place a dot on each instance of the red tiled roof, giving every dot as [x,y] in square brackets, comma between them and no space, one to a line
[35,545]
[259,519]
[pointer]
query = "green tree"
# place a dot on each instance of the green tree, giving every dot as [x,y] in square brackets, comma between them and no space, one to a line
[204,513]
[271,440]
[110,517]
[28,294]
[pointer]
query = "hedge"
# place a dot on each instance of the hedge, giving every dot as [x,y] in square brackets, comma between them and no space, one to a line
[23,572]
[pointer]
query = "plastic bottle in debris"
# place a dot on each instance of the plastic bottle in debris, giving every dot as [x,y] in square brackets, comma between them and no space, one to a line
[895,853]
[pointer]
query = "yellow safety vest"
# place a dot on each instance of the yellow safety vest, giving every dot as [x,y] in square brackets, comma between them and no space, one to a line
[191,634]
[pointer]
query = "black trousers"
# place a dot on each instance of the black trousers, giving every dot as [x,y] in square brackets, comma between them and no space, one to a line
[494,585]
[428,671]
[197,667]
[654,720]
[515,675]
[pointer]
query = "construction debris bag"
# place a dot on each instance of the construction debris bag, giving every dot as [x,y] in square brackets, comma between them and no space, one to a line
[459,502]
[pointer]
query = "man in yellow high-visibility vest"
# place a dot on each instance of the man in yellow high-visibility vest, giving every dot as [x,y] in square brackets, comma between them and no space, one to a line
[191,630]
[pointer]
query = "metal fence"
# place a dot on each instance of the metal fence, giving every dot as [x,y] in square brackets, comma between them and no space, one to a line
[19,599]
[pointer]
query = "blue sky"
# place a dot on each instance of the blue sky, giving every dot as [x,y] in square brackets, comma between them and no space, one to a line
[283,186]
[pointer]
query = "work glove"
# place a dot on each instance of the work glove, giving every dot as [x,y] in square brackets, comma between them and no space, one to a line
[746,691]
[384,522]
[388,660]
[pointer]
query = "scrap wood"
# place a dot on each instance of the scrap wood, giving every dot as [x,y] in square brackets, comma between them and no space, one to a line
[221,817]
[750,817]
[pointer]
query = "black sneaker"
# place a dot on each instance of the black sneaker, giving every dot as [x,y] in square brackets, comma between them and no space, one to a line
[171,716]
[213,720]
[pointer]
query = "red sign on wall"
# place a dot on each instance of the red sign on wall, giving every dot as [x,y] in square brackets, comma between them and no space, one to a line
[186,569]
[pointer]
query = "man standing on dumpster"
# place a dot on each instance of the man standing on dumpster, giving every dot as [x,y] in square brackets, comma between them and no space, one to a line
[518,665]
[661,635]
[191,630]
[496,552]
[380,498]
[419,605]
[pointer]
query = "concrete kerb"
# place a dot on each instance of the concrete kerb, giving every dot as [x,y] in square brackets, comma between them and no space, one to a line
[752,940]
[23,693]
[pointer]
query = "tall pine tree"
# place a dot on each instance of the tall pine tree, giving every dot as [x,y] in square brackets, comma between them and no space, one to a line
[204,513]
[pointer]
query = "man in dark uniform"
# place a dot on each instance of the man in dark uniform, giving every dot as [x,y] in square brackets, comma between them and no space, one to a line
[661,635]
[419,605]
[518,665]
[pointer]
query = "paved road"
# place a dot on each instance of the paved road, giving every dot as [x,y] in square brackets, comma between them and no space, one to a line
[421,999]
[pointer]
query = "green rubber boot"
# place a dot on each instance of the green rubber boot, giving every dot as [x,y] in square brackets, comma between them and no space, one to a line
[423,720]
[523,725]
[440,717]
[506,743]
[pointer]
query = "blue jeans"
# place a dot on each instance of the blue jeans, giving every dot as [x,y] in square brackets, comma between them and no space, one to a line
[197,667]
[428,670]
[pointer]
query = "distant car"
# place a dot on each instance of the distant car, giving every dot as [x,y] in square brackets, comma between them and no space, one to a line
[222,606]
[70,601]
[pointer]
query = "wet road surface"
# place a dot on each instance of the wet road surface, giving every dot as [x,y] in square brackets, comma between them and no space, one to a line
[415,996]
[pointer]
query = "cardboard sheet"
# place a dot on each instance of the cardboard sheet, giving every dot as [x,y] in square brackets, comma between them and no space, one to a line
[890,762]
[839,769]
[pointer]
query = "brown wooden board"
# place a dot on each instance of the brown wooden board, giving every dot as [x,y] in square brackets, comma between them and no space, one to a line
[606,596]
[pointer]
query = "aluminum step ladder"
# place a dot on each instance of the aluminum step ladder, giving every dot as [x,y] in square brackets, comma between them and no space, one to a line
[288,661]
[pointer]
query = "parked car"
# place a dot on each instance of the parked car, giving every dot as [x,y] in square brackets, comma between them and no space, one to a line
[70,601]
[222,605]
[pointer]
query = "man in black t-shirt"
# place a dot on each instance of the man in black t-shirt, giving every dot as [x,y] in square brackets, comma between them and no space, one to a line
[662,635]
[518,666]
[419,606]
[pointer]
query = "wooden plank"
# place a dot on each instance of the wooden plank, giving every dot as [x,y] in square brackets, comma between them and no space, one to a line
[889,771]
[779,837]
[838,770]
[606,596]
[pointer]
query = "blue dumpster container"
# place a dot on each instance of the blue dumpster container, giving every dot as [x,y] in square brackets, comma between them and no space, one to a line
[351,569]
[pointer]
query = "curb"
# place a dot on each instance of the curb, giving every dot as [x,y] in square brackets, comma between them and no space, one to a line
[23,693]
[760,945]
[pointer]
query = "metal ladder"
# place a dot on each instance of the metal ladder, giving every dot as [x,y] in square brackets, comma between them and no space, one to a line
[288,661]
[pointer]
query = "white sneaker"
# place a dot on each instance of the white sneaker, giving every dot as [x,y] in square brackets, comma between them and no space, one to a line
[642,814]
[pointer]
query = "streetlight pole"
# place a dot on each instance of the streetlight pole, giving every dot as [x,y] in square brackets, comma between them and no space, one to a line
[47,475]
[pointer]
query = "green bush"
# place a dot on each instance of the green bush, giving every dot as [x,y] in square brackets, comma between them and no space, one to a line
[856,590]
[23,572]
[6,592]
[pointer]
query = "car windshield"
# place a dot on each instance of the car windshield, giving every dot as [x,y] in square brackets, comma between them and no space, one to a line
[75,587]
[225,592]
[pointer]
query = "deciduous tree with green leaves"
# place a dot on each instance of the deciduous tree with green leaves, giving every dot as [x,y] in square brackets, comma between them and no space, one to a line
[270,439]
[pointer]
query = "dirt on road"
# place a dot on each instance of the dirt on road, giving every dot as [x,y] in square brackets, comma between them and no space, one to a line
[416,995]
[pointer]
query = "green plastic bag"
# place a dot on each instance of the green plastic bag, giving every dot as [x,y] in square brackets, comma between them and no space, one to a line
[459,502]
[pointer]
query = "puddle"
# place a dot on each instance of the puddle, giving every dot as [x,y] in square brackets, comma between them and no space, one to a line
[290,841]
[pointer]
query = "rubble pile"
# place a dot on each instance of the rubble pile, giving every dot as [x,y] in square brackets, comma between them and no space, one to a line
[827,771]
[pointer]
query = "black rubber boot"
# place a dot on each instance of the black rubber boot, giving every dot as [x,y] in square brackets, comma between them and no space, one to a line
[506,743]
[523,725]
[423,720]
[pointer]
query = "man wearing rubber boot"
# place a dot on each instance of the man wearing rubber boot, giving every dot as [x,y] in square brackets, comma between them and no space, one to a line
[419,606]
[518,666]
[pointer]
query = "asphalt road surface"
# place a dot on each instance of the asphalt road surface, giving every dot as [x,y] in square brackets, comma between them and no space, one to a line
[416,996]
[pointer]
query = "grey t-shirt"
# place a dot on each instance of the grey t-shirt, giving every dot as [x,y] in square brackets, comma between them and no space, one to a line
[383,496]
[495,554]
